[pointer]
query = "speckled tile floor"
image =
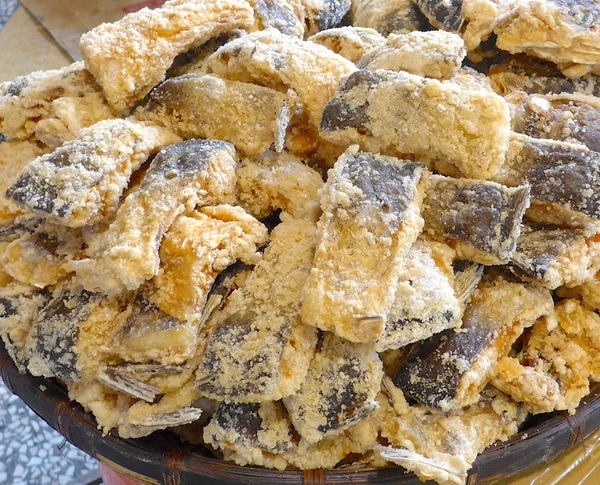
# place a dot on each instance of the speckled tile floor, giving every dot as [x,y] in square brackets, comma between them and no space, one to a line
[31,452]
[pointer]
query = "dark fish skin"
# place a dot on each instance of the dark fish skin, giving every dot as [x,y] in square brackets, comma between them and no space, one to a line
[445,14]
[274,15]
[332,13]
[147,318]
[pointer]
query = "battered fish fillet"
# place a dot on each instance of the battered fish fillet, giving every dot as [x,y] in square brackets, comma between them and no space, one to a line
[397,112]
[29,100]
[262,435]
[425,301]
[562,31]
[19,308]
[564,179]
[317,15]
[588,292]
[80,182]
[14,157]
[434,54]
[274,60]
[480,220]
[536,389]
[349,42]
[258,349]
[340,389]
[279,181]
[443,446]
[71,336]
[535,76]
[474,20]
[573,118]
[371,218]
[277,14]
[131,56]
[566,347]
[180,177]
[450,369]
[41,258]
[253,118]
[388,16]
[555,256]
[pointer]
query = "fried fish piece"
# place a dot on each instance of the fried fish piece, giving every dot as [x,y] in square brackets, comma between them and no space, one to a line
[71,334]
[29,100]
[443,446]
[253,118]
[555,256]
[41,258]
[278,14]
[562,31]
[340,389]
[157,331]
[19,308]
[474,20]
[388,16]
[258,349]
[566,117]
[480,220]
[14,157]
[180,177]
[398,112]
[564,179]
[535,388]
[566,346]
[588,292]
[278,61]
[435,54]
[349,42]
[318,15]
[450,369]
[371,218]
[425,301]
[131,56]
[262,435]
[535,76]
[80,182]
[279,181]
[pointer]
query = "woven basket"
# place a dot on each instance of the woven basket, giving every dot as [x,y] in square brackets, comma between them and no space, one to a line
[163,459]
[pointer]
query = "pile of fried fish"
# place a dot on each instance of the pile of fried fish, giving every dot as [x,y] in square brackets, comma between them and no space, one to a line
[312,233]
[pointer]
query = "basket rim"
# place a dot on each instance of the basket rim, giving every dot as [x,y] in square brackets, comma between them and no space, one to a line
[164,459]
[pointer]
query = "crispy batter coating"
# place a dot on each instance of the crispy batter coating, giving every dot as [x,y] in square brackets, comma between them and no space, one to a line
[80,182]
[588,292]
[566,347]
[450,369]
[435,54]
[567,117]
[41,258]
[279,181]
[349,42]
[443,446]
[535,388]
[272,59]
[556,256]
[388,16]
[562,31]
[371,206]
[480,220]
[425,301]
[131,56]
[258,349]
[277,14]
[398,112]
[44,96]
[180,177]
[340,389]
[14,157]
[564,179]
[317,15]
[253,118]
[535,76]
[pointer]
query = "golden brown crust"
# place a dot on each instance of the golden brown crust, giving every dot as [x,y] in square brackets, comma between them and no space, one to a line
[131,56]
[349,42]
